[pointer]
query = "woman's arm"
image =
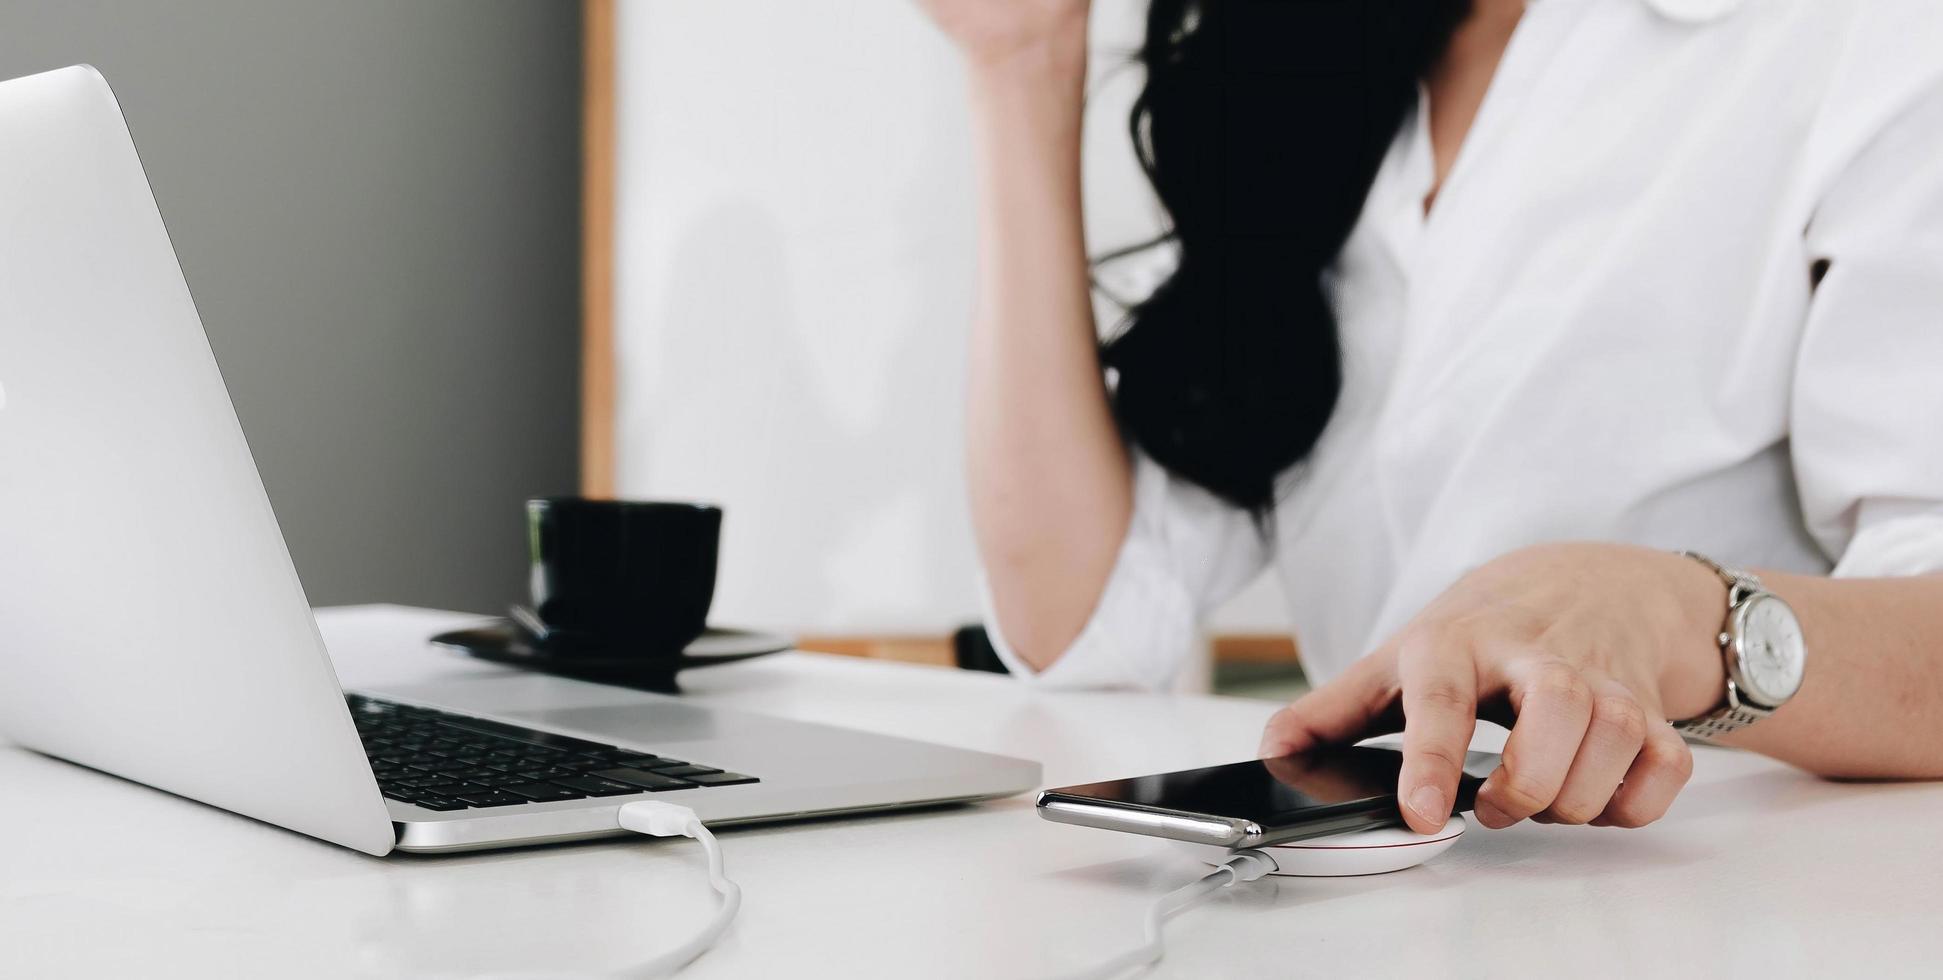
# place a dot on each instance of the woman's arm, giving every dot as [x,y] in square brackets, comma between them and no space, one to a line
[1871,705]
[1050,483]
[1588,650]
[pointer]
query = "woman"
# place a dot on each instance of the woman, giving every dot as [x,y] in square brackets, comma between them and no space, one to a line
[1480,314]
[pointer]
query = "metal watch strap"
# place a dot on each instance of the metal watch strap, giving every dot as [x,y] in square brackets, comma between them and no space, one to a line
[1720,721]
[1740,584]
[1735,714]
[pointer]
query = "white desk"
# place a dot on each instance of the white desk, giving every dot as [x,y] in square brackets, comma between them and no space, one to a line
[1759,871]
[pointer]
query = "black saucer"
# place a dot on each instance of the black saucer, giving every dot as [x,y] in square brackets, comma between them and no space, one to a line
[502,641]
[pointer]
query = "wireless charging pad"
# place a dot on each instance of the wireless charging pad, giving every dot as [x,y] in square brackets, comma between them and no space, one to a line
[1369,852]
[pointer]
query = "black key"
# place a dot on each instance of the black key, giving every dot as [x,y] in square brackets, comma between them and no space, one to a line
[398,793]
[495,778]
[586,762]
[527,735]
[438,803]
[444,765]
[492,798]
[542,792]
[723,779]
[563,743]
[546,774]
[653,782]
[596,786]
[687,772]
[664,763]
[634,761]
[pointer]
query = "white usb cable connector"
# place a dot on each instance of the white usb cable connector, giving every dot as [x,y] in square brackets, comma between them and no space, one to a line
[658,819]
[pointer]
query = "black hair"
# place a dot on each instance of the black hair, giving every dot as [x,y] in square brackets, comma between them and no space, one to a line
[1261,128]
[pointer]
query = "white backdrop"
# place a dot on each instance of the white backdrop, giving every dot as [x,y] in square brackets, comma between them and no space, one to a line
[795,260]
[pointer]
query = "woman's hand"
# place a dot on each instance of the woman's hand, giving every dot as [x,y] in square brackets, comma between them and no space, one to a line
[993,31]
[1584,650]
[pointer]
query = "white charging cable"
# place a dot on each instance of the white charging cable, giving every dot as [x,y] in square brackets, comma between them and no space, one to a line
[659,819]
[1243,865]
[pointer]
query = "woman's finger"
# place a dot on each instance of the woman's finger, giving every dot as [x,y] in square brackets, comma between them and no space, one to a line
[1554,705]
[1612,742]
[1656,777]
[1342,711]
[1439,714]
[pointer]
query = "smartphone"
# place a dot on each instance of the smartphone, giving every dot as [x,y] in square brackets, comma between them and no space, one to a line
[1252,804]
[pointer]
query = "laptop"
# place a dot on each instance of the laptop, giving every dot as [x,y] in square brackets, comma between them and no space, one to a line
[155,628]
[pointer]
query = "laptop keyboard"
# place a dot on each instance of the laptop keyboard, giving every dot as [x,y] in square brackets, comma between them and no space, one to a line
[442,761]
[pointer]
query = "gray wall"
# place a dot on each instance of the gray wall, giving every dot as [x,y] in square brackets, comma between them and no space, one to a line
[376,206]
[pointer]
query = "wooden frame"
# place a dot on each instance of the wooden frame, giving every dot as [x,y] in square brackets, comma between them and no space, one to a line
[597,164]
[1260,649]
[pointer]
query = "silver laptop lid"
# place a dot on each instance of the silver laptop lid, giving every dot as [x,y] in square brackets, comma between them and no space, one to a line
[151,624]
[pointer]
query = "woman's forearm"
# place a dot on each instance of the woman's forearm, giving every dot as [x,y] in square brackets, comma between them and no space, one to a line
[1871,704]
[1587,649]
[1050,484]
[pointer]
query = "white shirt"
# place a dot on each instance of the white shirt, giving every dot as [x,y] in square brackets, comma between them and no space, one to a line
[1606,329]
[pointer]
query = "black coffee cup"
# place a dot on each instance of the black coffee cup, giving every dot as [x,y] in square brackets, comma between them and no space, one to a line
[615,578]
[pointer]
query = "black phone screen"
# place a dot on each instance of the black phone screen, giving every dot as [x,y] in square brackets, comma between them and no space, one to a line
[1285,792]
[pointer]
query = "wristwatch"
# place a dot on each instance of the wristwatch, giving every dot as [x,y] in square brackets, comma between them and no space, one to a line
[1762,646]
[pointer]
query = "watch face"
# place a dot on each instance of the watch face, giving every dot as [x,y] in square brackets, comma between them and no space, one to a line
[1769,649]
